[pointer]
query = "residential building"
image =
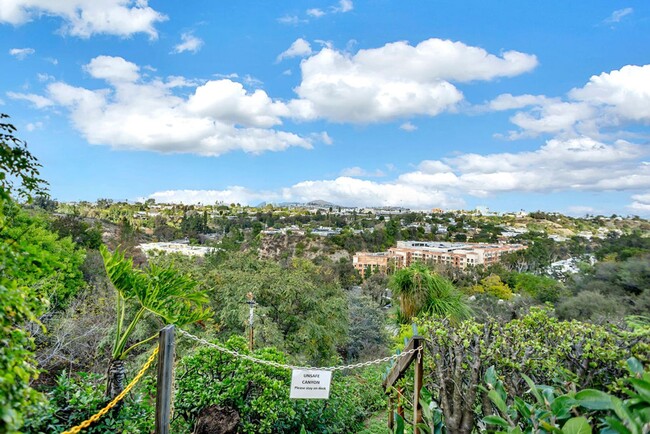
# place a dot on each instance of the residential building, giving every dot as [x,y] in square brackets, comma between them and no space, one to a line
[458,255]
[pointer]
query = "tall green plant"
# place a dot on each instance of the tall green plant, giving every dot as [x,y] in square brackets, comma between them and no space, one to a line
[161,292]
[422,291]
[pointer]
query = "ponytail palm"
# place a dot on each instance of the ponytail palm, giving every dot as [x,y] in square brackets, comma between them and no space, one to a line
[161,292]
[422,291]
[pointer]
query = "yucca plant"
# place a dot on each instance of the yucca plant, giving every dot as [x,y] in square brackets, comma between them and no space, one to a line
[162,292]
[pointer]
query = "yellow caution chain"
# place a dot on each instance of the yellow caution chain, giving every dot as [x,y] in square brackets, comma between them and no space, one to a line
[94,418]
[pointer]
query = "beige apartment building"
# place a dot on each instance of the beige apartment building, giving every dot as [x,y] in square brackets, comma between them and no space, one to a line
[458,255]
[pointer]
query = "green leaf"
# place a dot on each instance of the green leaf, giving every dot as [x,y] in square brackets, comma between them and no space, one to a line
[577,425]
[635,366]
[491,376]
[496,420]
[642,388]
[617,426]
[594,400]
[498,401]
[399,424]
[533,389]
[561,406]
[522,407]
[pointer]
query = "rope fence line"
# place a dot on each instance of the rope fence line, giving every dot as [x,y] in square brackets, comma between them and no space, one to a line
[101,413]
[94,418]
[237,354]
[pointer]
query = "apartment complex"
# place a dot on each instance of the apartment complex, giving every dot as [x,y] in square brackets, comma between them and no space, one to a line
[458,255]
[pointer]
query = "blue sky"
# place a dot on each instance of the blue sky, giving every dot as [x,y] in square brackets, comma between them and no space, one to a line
[510,105]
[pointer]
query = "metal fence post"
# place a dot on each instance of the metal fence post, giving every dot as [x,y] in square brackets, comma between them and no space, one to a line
[164,384]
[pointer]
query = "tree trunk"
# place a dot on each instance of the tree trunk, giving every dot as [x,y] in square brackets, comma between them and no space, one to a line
[115,378]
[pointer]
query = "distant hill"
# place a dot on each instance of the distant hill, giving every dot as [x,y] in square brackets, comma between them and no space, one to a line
[322,203]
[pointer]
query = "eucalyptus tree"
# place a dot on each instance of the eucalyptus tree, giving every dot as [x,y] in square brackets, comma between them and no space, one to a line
[161,292]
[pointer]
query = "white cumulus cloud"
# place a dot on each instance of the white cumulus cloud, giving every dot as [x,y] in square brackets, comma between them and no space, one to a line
[299,48]
[611,99]
[396,80]
[134,112]
[235,194]
[577,165]
[84,18]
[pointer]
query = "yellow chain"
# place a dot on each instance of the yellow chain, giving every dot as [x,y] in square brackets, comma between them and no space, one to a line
[94,418]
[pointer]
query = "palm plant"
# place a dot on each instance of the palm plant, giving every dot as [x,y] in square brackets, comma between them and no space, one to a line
[422,291]
[161,292]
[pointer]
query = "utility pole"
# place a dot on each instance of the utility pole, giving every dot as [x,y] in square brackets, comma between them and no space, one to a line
[251,310]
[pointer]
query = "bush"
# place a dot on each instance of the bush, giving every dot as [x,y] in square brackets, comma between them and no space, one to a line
[261,394]
[549,351]
[76,398]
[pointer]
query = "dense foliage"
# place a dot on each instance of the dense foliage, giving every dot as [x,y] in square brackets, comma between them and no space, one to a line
[260,394]
[539,346]
[75,398]
[551,409]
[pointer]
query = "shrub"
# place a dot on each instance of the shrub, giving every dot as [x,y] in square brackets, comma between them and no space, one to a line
[261,394]
[76,398]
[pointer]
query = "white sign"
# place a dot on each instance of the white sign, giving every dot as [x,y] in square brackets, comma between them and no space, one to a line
[310,384]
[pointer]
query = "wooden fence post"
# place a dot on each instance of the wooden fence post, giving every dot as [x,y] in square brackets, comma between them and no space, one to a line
[164,384]
[417,385]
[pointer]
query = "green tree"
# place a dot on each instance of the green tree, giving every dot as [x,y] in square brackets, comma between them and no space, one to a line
[19,304]
[301,307]
[81,232]
[494,286]
[161,292]
[542,288]
[19,169]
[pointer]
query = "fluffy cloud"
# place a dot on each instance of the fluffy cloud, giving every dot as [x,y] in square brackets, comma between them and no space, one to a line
[508,101]
[610,99]
[233,194]
[114,70]
[624,93]
[85,18]
[641,203]
[344,191]
[580,164]
[299,48]
[189,42]
[21,53]
[396,80]
[228,100]
[134,113]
